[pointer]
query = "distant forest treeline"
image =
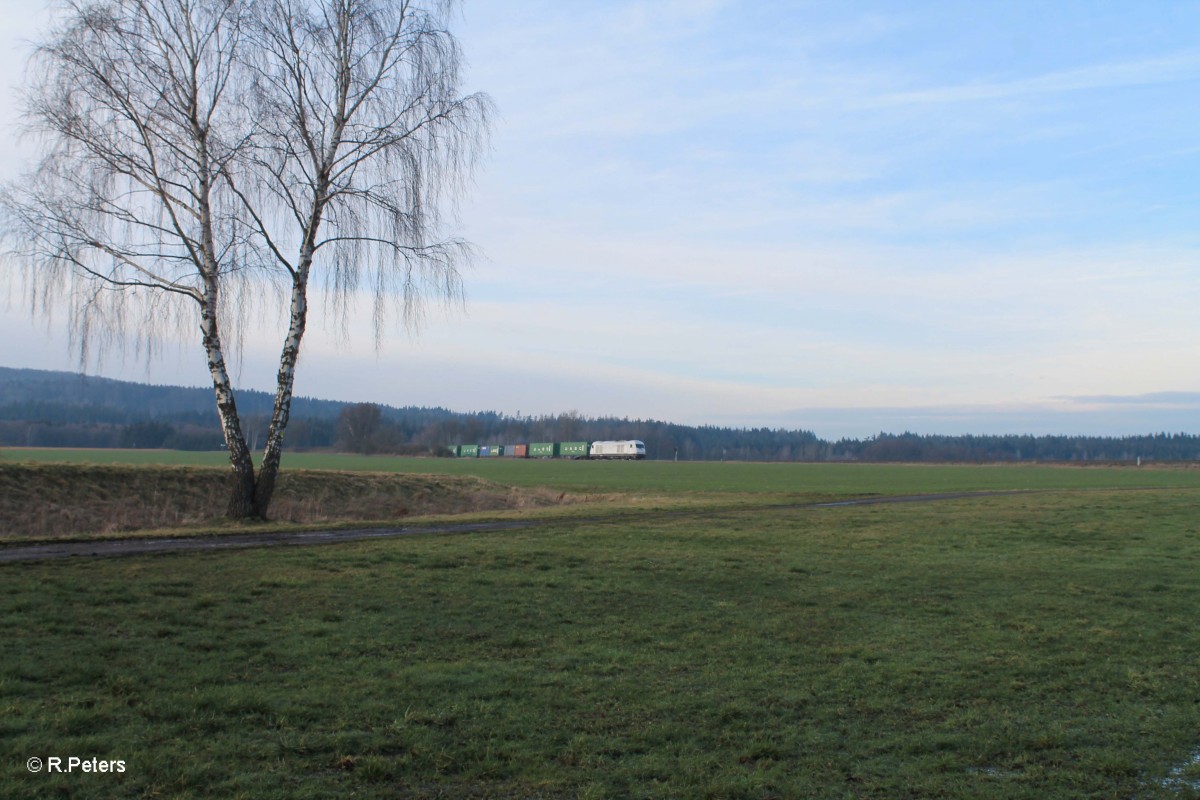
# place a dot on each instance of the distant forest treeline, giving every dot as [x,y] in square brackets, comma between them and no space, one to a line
[59,409]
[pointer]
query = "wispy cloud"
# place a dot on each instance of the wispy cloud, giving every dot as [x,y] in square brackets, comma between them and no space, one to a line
[781,213]
[1175,68]
[1165,400]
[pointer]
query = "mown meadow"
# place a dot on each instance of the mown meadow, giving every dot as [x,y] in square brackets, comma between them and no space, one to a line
[845,479]
[1038,645]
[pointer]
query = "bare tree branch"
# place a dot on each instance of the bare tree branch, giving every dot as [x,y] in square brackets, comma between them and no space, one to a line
[202,157]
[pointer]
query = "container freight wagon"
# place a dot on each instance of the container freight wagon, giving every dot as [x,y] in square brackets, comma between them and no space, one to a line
[573,449]
[543,450]
[629,449]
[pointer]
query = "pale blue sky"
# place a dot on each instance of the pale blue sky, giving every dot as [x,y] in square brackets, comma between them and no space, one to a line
[843,216]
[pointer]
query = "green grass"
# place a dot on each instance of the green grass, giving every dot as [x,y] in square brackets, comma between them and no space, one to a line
[1028,646]
[677,477]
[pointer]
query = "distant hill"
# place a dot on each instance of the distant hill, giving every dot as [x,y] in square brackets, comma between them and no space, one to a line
[41,408]
[134,401]
[62,409]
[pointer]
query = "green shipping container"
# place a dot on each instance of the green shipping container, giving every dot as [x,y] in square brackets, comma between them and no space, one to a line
[573,449]
[469,451]
[543,450]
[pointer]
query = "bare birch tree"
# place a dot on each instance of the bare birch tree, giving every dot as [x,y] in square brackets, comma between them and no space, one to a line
[204,158]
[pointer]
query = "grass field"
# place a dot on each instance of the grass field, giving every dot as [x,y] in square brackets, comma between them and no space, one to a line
[1023,646]
[680,477]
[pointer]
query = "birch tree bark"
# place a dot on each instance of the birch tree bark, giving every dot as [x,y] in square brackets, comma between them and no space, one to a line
[204,157]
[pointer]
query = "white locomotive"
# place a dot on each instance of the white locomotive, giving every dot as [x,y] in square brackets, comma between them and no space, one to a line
[628,449]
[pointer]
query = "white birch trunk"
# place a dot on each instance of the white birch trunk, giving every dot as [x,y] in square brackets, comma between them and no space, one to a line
[242,489]
[273,450]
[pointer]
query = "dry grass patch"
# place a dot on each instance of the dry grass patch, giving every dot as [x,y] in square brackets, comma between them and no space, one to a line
[64,500]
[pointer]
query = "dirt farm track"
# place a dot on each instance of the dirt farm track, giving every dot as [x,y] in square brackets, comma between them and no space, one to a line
[105,548]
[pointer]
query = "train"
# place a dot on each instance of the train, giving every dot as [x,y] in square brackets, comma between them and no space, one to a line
[626,449]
